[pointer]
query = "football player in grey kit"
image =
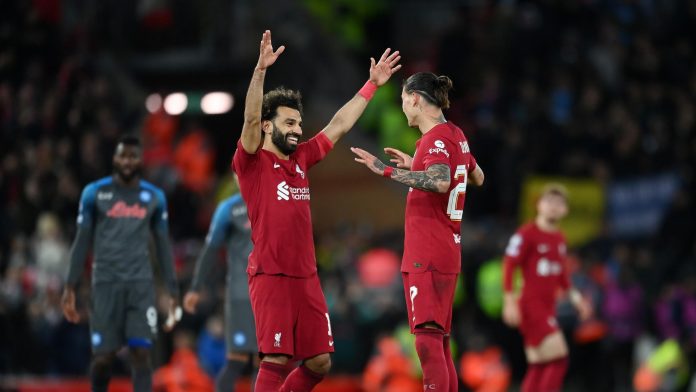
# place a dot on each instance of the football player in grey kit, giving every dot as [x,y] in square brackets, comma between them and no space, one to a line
[117,216]
[229,226]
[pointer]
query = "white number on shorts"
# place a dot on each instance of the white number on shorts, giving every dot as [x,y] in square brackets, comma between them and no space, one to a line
[151,315]
[413,291]
[455,213]
[328,322]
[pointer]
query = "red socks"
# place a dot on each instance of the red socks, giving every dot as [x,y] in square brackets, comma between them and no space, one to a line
[301,379]
[451,370]
[270,377]
[545,377]
[430,351]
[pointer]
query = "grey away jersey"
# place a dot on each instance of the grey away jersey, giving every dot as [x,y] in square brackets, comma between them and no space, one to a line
[230,226]
[118,221]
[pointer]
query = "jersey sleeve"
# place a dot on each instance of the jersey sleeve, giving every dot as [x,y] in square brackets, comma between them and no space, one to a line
[160,218]
[315,149]
[437,150]
[219,226]
[86,212]
[217,233]
[472,163]
[514,256]
[83,239]
[242,161]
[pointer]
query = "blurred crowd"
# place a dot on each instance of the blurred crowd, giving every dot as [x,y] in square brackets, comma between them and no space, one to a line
[594,89]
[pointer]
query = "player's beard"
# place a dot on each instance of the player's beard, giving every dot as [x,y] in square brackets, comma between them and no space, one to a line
[128,177]
[281,141]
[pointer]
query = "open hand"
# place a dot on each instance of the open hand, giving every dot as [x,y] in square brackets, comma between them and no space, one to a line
[387,65]
[368,160]
[402,160]
[67,302]
[266,54]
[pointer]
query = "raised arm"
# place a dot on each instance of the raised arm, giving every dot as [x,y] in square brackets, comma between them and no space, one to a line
[436,178]
[251,131]
[347,115]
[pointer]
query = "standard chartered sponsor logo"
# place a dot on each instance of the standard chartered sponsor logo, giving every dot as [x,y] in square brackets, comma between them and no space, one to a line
[285,192]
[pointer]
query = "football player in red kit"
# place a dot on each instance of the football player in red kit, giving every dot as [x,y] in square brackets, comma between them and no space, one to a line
[292,320]
[539,249]
[437,175]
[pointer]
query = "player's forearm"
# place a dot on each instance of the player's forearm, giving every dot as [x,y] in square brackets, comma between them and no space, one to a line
[251,131]
[345,118]
[165,255]
[203,265]
[78,254]
[435,179]
[575,297]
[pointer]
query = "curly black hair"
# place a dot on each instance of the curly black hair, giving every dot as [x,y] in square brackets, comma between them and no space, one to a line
[280,96]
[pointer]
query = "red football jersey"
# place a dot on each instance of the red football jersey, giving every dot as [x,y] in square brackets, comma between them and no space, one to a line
[277,195]
[542,257]
[433,228]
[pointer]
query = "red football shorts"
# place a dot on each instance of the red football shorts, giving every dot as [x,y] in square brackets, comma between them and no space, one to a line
[429,297]
[537,322]
[291,316]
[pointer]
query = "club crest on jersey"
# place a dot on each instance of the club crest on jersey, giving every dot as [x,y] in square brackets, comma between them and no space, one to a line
[439,148]
[123,210]
[298,170]
[239,338]
[145,196]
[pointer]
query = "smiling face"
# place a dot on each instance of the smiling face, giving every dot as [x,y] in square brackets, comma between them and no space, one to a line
[285,129]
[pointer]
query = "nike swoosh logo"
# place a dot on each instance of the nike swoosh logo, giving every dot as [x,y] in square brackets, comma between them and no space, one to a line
[331,343]
[275,165]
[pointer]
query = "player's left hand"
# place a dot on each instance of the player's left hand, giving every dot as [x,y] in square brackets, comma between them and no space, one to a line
[387,65]
[174,314]
[369,160]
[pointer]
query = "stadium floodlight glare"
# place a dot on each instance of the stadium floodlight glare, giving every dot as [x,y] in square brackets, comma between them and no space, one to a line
[217,102]
[153,102]
[175,103]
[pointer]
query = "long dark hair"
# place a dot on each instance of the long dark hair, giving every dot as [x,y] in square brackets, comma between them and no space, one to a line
[431,87]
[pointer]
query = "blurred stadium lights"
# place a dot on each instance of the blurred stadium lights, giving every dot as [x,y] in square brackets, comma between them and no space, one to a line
[217,102]
[175,103]
[153,103]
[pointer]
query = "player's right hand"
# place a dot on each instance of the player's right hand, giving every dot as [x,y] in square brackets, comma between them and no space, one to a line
[266,54]
[511,314]
[191,301]
[402,160]
[68,304]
